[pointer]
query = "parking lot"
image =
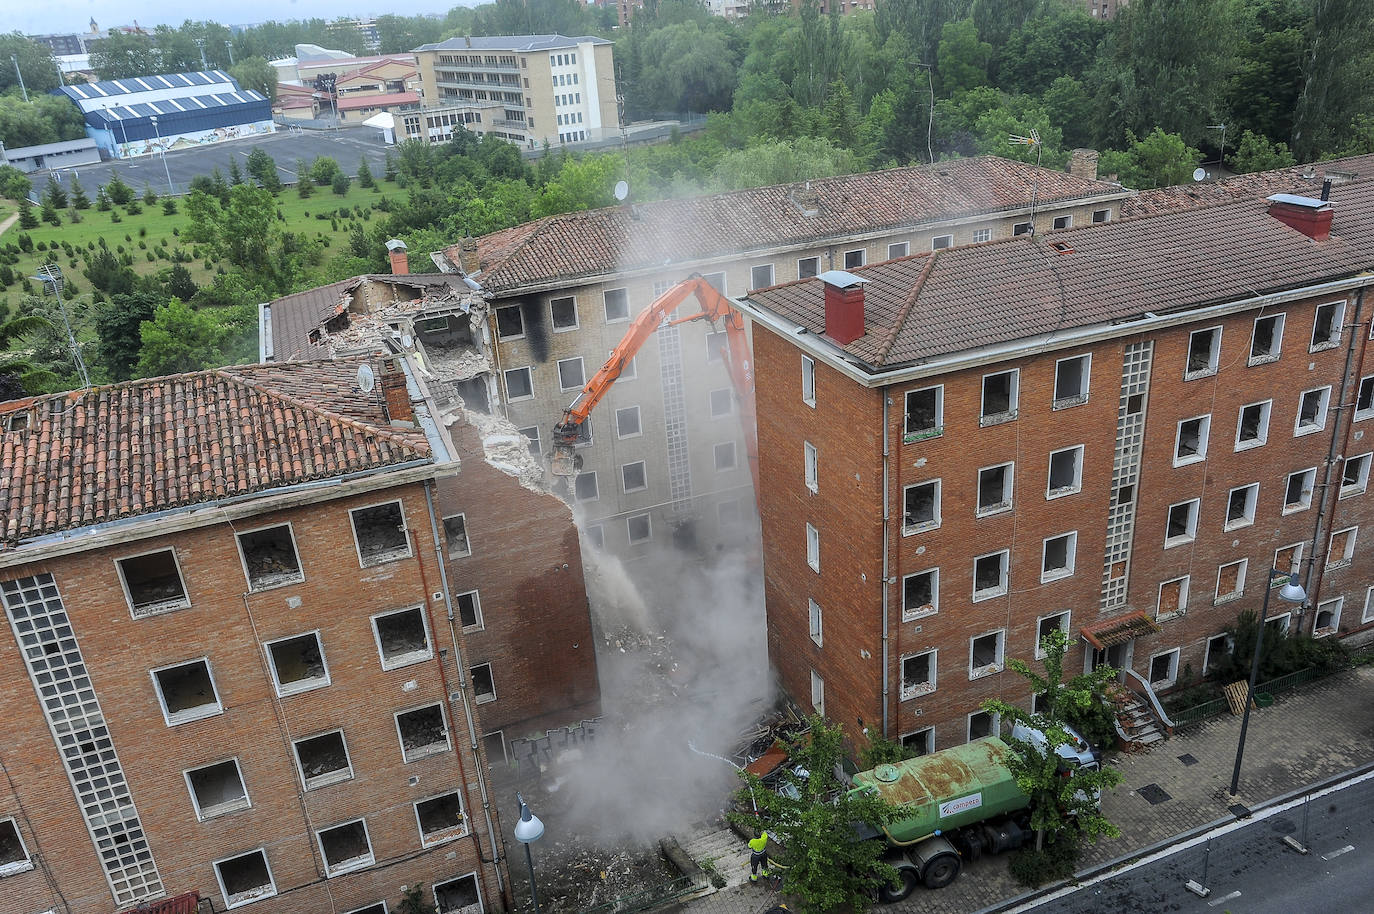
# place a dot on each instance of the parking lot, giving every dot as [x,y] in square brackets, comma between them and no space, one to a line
[349,145]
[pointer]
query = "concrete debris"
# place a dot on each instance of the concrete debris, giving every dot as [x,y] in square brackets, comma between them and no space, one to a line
[507,450]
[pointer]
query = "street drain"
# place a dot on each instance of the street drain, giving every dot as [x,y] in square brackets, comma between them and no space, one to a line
[1153,794]
[1187,759]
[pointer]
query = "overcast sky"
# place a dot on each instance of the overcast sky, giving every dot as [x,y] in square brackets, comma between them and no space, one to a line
[52,16]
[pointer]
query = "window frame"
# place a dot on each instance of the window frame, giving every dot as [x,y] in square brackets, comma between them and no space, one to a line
[434,888]
[624,484]
[243,557]
[1022,228]
[639,424]
[922,689]
[985,233]
[1218,597]
[815,622]
[1337,326]
[462,811]
[505,383]
[405,530]
[481,623]
[1174,654]
[1348,553]
[729,399]
[629,532]
[595,483]
[1364,412]
[1007,501]
[1325,394]
[1361,485]
[991,668]
[862,258]
[1311,485]
[1004,576]
[310,685]
[337,776]
[581,369]
[909,614]
[212,812]
[985,418]
[942,242]
[1298,550]
[1062,222]
[897,249]
[483,698]
[1085,374]
[936,431]
[801,271]
[162,606]
[716,451]
[1262,437]
[1194,510]
[1106,215]
[1203,440]
[14,868]
[936,519]
[1213,355]
[994,724]
[331,872]
[1276,350]
[1071,555]
[496,316]
[224,892]
[753,275]
[553,319]
[176,719]
[467,536]
[817,693]
[1367,615]
[1185,585]
[411,657]
[1247,519]
[414,755]
[606,305]
[1324,631]
[1063,615]
[808,383]
[928,735]
[1077,485]
[1227,644]
[813,547]
[811,460]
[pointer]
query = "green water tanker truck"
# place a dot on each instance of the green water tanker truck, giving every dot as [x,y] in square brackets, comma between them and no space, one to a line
[963,802]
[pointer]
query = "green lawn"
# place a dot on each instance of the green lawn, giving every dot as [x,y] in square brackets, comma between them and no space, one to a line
[300,216]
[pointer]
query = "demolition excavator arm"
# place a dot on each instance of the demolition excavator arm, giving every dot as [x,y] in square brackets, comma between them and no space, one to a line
[715,307]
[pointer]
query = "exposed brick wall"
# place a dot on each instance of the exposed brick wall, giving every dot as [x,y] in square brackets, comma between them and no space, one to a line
[337,599]
[527,568]
[845,426]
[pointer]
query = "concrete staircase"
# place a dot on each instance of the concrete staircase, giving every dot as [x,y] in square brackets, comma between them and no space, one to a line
[722,851]
[1136,723]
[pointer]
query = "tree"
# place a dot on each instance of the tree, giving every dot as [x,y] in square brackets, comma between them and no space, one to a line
[1159,160]
[264,168]
[241,233]
[812,817]
[55,193]
[1336,77]
[235,174]
[149,195]
[120,193]
[79,198]
[365,175]
[1255,153]
[782,162]
[14,184]
[123,55]
[305,186]
[1063,796]
[180,284]
[389,172]
[257,74]
[42,119]
[118,324]
[962,58]
[340,183]
[686,68]
[35,62]
[178,338]
[323,169]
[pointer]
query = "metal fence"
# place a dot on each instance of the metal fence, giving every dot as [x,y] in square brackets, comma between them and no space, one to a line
[1198,713]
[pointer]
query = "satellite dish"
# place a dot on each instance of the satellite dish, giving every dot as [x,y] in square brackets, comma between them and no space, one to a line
[622,190]
[367,379]
[1199,174]
[407,341]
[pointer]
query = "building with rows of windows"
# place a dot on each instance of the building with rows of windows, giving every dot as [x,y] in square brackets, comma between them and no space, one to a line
[1117,430]
[236,664]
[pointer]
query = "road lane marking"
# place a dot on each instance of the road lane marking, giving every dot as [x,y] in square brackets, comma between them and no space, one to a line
[1223,899]
[1338,851]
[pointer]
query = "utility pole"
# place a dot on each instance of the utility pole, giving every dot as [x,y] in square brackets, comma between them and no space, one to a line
[200,43]
[15,61]
[50,275]
[229,46]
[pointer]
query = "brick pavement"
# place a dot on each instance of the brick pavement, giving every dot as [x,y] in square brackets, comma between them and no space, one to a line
[1324,729]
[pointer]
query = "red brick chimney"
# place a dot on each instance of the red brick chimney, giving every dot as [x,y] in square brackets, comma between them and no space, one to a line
[400,263]
[393,379]
[844,306]
[1308,215]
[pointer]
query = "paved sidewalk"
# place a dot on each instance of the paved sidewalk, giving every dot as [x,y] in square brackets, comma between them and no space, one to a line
[1322,730]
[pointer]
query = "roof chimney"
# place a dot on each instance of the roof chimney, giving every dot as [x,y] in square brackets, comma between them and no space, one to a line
[1308,215]
[468,259]
[844,305]
[400,262]
[394,395]
[1083,164]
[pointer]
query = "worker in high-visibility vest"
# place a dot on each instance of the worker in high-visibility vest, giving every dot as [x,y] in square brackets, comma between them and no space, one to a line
[758,856]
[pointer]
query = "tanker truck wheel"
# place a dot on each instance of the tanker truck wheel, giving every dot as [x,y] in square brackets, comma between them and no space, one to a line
[905,886]
[941,871]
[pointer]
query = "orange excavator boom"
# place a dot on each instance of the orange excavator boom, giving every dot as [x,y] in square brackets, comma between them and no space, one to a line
[715,308]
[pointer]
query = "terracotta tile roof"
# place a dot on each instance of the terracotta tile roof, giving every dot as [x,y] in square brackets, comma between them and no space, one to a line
[959,299]
[379,100]
[1305,180]
[294,316]
[88,457]
[728,225]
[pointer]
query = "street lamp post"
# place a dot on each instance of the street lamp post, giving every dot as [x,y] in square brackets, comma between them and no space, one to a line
[527,831]
[163,151]
[1291,592]
[229,46]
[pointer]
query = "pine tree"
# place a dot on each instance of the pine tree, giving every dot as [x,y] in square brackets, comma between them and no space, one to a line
[390,172]
[120,193]
[28,219]
[235,175]
[55,193]
[149,195]
[365,175]
[305,186]
[102,199]
[79,198]
[50,212]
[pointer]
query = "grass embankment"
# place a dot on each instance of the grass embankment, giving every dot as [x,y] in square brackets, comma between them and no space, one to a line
[300,215]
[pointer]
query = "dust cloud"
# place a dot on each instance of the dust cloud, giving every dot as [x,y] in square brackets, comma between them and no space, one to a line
[683,663]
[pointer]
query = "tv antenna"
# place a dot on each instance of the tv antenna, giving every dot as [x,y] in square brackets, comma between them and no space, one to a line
[50,275]
[1032,140]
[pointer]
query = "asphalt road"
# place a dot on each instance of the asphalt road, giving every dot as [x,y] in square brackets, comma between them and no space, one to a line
[1249,868]
[349,146]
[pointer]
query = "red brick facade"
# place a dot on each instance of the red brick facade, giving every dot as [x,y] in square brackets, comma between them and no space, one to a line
[230,625]
[845,426]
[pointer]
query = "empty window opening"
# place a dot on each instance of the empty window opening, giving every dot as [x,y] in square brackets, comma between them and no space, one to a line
[345,848]
[923,413]
[1164,669]
[724,454]
[722,403]
[323,759]
[298,664]
[617,305]
[985,654]
[381,533]
[1326,326]
[469,607]
[1298,494]
[14,857]
[483,686]
[1102,215]
[509,324]
[217,789]
[473,391]
[1328,617]
[532,432]
[1059,622]
[1240,506]
[1135,404]
[761,276]
[270,556]
[1063,222]
[1218,648]
[422,732]
[1125,495]
[1312,411]
[519,384]
[817,692]
[153,583]
[1182,525]
[920,593]
[1071,381]
[814,621]
[981,724]
[627,422]
[457,896]
[456,532]
[1021,228]
[989,575]
[922,742]
[495,745]
[1192,439]
[401,637]
[570,374]
[638,528]
[854,259]
[187,691]
[1066,472]
[994,489]
[1253,428]
[1204,347]
[808,380]
[441,819]
[634,477]
[999,397]
[245,879]
[1364,400]
[717,344]
[1059,557]
[811,465]
[808,267]
[584,486]
[564,312]
[918,675]
[1265,340]
[813,548]
[1355,475]
[922,507]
